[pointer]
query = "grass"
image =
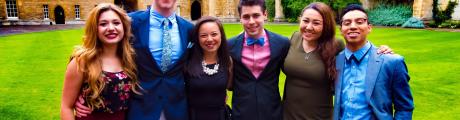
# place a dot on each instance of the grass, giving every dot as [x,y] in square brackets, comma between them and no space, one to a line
[32,69]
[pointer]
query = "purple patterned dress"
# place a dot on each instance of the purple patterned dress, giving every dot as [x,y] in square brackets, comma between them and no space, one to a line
[115,95]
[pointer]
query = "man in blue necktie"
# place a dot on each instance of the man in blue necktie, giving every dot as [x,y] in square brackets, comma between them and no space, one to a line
[160,41]
[369,85]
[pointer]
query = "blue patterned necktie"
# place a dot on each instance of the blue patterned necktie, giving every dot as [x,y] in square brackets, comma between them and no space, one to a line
[167,46]
[252,41]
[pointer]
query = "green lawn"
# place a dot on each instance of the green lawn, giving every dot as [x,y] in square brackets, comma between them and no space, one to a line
[32,69]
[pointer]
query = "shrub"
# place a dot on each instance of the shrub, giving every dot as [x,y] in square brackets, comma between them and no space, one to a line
[413,23]
[441,16]
[390,15]
[450,24]
[293,8]
[270,9]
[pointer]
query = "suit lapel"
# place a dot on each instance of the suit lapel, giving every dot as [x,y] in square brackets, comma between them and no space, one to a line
[144,28]
[373,69]
[338,83]
[238,47]
[144,36]
[183,41]
[183,33]
[274,50]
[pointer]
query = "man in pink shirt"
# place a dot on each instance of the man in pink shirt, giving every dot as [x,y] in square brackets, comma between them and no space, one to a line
[258,55]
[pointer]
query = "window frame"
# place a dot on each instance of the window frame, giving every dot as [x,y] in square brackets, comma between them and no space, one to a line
[77,12]
[46,12]
[15,7]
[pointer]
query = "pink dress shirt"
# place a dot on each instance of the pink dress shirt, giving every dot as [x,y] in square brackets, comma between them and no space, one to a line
[256,57]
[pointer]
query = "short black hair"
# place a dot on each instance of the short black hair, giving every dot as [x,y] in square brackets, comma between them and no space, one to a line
[352,7]
[260,3]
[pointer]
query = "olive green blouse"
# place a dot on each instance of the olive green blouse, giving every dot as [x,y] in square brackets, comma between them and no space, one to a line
[307,92]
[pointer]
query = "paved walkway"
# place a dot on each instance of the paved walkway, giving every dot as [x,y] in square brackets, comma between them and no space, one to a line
[10,30]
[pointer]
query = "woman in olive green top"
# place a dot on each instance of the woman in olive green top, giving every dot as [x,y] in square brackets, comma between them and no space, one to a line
[310,65]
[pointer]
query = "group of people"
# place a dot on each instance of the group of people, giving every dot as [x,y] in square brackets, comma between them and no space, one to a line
[154,64]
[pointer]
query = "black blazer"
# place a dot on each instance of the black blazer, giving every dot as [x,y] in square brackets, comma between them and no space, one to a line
[257,99]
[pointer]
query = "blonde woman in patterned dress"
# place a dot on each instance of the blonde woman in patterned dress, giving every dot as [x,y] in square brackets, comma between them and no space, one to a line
[102,70]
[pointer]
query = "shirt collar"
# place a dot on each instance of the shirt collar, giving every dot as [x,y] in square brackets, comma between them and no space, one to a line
[360,53]
[156,16]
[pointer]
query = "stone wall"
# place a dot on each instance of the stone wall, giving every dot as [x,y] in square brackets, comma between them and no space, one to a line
[226,10]
[422,9]
[2,10]
[30,12]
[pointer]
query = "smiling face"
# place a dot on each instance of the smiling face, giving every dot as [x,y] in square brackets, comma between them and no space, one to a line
[209,37]
[110,28]
[311,25]
[253,18]
[355,27]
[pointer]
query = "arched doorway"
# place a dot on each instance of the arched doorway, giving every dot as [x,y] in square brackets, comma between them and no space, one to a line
[127,5]
[59,15]
[196,10]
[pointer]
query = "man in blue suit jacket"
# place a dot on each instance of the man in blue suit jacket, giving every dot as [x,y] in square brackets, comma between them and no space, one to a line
[369,86]
[163,95]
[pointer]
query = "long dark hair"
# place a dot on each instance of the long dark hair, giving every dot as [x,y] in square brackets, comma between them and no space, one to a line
[193,67]
[327,46]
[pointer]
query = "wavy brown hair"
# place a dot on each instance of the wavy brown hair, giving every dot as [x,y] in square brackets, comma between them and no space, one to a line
[327,46]
[88,56]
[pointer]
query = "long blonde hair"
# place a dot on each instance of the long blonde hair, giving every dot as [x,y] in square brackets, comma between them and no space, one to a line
[88,56]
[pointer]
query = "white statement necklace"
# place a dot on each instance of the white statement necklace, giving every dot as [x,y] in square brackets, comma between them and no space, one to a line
[210,71]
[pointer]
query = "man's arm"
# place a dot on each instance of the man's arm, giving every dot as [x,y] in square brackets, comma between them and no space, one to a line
[402,96]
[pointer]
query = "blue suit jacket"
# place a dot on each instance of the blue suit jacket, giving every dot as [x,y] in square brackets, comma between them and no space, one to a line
[387,86]
[162,91]
[257,99]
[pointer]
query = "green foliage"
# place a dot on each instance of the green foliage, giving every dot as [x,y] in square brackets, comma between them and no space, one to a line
[390,15]
[439,16]
[293,8]
[395,2]
[270,9]
[339,5]
[413,23]
[450,24]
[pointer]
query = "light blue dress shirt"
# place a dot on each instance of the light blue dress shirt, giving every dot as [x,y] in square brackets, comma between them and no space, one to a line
[156,37]
[354,103]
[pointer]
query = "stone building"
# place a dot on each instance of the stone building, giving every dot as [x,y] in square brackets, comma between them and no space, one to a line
[41,12]
[226,10]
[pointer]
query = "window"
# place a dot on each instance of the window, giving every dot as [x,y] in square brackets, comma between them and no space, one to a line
[11,9]
[45,12]
[77,11]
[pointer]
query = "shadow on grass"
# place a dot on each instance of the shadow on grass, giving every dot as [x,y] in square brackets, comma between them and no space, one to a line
[12,113]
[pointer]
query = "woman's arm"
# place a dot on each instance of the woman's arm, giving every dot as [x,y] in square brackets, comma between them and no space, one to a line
[72,85]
